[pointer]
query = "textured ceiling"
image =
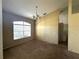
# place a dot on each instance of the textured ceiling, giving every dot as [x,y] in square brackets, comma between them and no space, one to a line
[26,8]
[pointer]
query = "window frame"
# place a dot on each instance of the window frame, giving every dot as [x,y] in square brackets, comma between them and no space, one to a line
[23,30]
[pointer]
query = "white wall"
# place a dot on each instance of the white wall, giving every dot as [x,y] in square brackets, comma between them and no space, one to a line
[47,28]
[1,57]
[73,22]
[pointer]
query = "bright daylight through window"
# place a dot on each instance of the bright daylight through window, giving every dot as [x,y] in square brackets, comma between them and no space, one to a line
[21,29]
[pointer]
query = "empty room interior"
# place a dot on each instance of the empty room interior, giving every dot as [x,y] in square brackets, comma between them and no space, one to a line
[40,29]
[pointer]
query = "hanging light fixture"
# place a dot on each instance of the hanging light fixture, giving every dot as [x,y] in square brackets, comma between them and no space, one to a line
[36,17]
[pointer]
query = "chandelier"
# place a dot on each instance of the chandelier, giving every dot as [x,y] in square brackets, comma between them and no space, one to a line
[37,16]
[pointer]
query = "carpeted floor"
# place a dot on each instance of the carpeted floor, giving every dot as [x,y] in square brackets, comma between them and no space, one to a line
[36,49]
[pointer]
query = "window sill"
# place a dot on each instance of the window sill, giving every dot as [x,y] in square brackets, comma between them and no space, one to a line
[22,38]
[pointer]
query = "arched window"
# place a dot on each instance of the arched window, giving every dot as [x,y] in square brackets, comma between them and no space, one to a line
[21,29]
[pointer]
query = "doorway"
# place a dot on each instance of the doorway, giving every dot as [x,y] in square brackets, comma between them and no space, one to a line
[63,27]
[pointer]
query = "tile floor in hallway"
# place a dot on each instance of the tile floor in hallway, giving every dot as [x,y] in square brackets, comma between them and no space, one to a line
[36,49]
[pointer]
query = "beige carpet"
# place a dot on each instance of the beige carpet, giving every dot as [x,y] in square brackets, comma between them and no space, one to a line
[36,49]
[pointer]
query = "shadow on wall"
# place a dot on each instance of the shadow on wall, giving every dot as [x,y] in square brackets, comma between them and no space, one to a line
[8,19]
